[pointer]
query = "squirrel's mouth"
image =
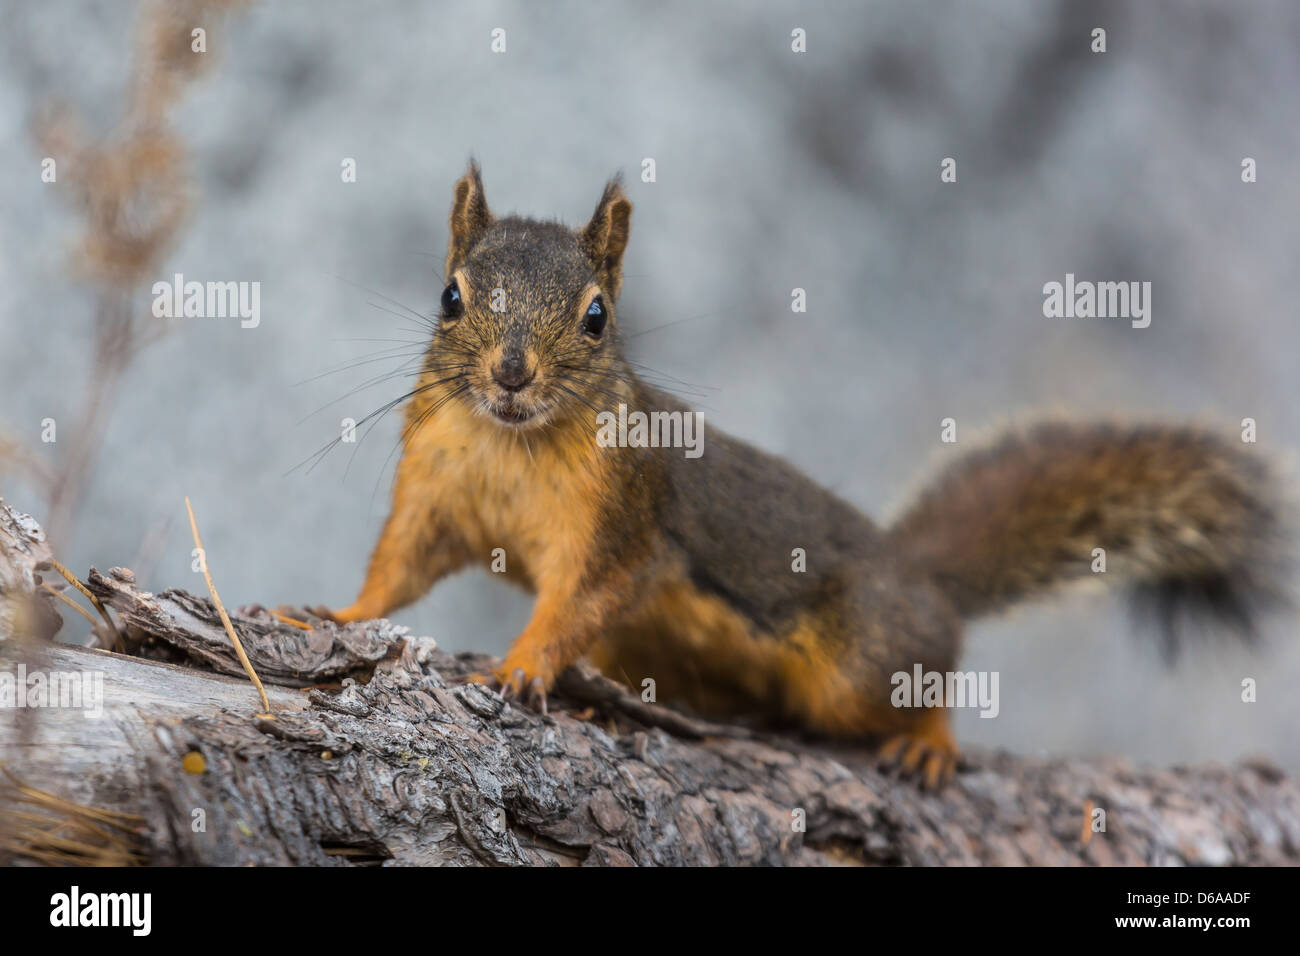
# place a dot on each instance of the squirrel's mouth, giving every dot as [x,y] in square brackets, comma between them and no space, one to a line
[512,416]
[511,409]
[512,413]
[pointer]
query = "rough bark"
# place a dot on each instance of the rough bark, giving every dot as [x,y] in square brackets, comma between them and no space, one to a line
[390,759]
[23,552]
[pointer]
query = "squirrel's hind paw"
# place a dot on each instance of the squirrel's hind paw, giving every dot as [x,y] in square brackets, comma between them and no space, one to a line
[926,752]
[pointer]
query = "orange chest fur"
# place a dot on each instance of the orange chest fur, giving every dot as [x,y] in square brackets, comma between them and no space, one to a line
[536,495]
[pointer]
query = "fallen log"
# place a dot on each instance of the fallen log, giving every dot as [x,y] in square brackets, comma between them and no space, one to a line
[378,753]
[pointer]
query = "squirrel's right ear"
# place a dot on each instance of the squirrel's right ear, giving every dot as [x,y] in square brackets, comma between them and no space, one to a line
[470,217]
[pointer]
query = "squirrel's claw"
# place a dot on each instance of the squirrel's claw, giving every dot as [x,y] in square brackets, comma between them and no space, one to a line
[537,694]
[529,692]
[513,685]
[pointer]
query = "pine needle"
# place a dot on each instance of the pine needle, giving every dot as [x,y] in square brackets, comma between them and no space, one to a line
[225,618]
[103,611]
[69,602]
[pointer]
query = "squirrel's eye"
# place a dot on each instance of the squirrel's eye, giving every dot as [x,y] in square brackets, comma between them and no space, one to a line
[452,307]
[593,323]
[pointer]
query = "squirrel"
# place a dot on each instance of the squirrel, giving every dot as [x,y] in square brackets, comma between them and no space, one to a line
[650,563]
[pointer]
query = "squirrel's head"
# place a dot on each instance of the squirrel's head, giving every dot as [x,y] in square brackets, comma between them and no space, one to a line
[527,332]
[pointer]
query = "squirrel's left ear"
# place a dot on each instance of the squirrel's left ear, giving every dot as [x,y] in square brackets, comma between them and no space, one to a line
[470,217]
[605,237]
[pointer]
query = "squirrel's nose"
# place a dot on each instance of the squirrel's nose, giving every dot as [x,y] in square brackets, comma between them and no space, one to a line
[512,372]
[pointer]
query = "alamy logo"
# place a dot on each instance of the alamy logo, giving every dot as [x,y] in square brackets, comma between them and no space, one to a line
[651,430]
[1101,300]
[922,688]
[103,909]
[208,300]
[77,690]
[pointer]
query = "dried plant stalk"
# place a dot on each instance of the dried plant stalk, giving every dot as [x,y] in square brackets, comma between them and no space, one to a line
[133,189]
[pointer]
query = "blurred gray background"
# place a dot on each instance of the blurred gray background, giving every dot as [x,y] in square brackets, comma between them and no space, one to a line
[775,170]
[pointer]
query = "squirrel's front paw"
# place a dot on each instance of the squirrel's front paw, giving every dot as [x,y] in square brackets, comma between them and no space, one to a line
[524,680]
[317,610]
[926,751]
[353,612]
[520,678]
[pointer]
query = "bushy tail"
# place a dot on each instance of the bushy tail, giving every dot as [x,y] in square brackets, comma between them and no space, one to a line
[1189,522]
